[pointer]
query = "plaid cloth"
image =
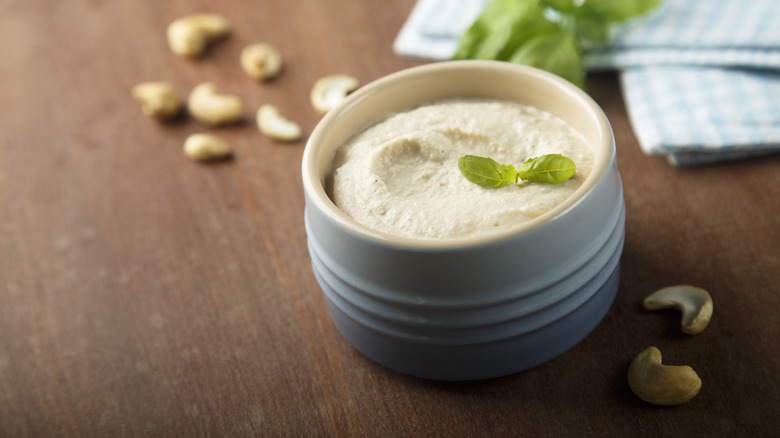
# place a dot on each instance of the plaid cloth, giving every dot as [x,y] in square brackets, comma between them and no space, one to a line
[434,26]
[701,79]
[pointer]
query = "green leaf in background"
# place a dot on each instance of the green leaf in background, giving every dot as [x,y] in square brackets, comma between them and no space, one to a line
[561,5]
[486,172]
[546,34]
[556,52]
[502,25]
[591,25]
[550,169]
[523,33]
[619,10]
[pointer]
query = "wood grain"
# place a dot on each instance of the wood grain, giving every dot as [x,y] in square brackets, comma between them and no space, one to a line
[142,294]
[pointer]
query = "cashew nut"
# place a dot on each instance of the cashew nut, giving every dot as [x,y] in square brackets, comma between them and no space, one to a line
[158,99]
[189,36]
[261,61]
[694,303]
[213,108]
[206,147]
[272,124]
[330,90]
[663,385]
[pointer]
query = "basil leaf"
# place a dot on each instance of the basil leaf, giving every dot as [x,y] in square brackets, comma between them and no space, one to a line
[619,10]
[499,29]
[590,24]
[560,5]
[557,52]
[550,168]
[471,40]
[486,172]
[523,32]
[547,34]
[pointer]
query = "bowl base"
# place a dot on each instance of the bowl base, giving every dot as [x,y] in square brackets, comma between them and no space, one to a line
[465,362]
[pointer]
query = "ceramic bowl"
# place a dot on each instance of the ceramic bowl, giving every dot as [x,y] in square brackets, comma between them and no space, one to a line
[478,307]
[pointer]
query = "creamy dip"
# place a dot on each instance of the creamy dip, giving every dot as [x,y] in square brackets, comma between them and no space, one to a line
[400,175]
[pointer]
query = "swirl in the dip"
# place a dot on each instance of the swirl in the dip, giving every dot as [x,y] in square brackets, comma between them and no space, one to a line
[400,176]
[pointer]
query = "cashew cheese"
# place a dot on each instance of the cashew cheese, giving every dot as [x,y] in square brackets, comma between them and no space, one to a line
[400,176]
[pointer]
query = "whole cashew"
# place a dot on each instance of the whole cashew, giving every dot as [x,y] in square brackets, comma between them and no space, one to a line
[206,147]
[261,61]
[663,385]
[212,108]
[694,303]
[188,36]
[328,91]
[158,99]
[272,124]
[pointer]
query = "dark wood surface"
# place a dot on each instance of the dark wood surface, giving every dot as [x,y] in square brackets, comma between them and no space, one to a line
[142,294]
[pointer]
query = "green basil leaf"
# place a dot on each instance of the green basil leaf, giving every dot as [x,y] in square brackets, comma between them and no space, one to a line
[557,52]
[551,169]
[486,172]
[547,34]
[590,24]
[560,5]
[523,32]
[496,33]
[619,10]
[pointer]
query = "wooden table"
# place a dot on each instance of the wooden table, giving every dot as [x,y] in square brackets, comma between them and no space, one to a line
[143,294]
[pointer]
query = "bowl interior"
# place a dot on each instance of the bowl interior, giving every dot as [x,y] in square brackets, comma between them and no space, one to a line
[452,79]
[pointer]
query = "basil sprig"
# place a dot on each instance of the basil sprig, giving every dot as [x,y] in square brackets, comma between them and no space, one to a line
[548,34]
[487,172]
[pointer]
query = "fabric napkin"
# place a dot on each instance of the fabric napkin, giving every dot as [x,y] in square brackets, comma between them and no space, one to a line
[701,79]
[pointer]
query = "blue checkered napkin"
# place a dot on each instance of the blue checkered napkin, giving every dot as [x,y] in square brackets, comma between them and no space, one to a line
[713,32]
[697,115]
[434,27]
[701,79]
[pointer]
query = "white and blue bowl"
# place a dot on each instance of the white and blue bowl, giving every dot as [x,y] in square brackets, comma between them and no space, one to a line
[468,308]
